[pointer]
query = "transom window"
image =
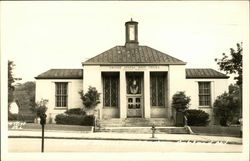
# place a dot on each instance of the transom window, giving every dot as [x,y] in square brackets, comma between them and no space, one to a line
[61,94]
[110,89]
[204,94]
[157,88]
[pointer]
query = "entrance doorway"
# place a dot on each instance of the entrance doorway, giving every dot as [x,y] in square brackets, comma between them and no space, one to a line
[134,94]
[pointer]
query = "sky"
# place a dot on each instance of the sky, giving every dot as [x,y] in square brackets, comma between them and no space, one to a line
[39,36]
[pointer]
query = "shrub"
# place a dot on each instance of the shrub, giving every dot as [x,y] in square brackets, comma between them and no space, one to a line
[12,117]
[88,120]
[91,98]
[73,119]
[21,117]
[40,107]
[197,118]
[180,101]
[27,117]
[76,111]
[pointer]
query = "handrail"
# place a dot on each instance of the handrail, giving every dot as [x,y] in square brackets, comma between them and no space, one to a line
[185,120]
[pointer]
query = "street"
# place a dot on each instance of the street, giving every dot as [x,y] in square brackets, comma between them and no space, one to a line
[76,145]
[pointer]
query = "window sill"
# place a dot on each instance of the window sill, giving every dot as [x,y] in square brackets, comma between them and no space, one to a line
[205,107]
[60,108]
[157,107]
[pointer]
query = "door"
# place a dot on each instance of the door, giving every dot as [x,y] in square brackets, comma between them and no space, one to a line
[134,94]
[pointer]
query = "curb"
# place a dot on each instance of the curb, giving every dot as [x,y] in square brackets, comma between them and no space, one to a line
[128,139]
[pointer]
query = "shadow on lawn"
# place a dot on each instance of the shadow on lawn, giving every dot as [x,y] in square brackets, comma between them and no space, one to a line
[217,130]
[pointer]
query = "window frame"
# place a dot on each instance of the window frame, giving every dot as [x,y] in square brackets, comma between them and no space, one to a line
[204,95]
[156,76]
[109,76]
[62,96]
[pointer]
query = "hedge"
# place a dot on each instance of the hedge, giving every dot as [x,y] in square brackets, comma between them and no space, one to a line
[73,119]
[21,117]
[76,111]
[197,118]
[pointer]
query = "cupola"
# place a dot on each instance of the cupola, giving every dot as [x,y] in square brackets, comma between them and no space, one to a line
[131,34]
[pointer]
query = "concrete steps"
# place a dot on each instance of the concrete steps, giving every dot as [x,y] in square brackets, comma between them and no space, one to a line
[135,122]
[145,130]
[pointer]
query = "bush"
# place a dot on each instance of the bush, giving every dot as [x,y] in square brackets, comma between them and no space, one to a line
[12,117]
[91,98]
[88,120]
[21,117]
[40,107]
[180,101]
[197,118]
[76,111]
[74,119]
[27,117]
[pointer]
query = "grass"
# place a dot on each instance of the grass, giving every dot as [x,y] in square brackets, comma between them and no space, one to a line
[57,127]
[217,130]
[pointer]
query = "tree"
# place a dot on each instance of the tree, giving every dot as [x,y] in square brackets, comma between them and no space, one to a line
[233,65]
[227,106]
[11,80]
[24,94]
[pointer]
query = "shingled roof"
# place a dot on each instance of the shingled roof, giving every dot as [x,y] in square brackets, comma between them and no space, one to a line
[61,74]
[122,55]
[193,73]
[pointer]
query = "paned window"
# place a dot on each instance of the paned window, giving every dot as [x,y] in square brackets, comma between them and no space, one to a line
[204,94]
[61,94]
[110,90]
[157,88]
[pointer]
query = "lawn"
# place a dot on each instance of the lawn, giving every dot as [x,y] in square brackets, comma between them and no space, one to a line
[217,130]
[57,127]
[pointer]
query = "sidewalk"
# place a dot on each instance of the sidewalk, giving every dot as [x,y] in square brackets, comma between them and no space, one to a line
[191,138]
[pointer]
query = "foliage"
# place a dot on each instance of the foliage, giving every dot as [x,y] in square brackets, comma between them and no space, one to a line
[25,96]
[233,64]
[76,111]
[88,120]
[11,80]
[227,106]
[21,117]
[180,101]
[91,98]
[40,107]
[197,117]
[74,119]
[12,117]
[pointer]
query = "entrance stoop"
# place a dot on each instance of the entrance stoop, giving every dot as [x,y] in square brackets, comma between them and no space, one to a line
[146,130]
[136,122]
[140,125]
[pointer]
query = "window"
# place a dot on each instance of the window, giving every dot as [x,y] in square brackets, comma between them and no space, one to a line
[61,94]
[110,90]
[157,88]
[204,94]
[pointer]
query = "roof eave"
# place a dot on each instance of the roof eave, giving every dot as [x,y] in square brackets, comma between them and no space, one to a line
[58,78]
[226,77]
[89,63]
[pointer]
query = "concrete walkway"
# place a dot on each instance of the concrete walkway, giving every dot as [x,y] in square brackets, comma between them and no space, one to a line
[191,138]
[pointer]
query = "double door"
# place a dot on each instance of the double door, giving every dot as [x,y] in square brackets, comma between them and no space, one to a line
[134,94]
